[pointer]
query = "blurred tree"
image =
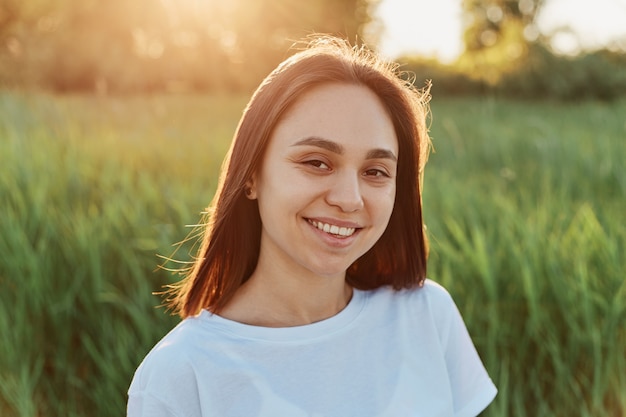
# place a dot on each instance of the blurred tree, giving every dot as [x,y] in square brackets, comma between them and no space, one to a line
[147,45]
[486,21]
[497,36]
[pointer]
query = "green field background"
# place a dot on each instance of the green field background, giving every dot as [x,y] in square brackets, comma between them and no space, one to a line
[525,205]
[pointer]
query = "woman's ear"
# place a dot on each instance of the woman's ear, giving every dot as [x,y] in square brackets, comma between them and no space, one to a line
[250,189]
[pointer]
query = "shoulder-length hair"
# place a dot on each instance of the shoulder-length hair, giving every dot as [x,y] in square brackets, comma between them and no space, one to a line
[230,247]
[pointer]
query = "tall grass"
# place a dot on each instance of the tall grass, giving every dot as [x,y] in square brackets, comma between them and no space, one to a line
[90,191]
[524,204]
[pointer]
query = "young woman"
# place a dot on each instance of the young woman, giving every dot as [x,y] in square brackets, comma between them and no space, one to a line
[309,296]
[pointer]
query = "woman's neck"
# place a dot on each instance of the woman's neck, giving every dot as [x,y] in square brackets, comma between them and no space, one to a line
[273,299]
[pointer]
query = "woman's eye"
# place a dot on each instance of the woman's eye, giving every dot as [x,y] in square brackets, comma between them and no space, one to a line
[317,164]
[376,173]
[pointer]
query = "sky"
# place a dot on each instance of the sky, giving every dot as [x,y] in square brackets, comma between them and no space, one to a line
[433,27]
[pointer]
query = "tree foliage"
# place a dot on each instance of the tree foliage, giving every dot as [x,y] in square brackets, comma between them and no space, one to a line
[505,53]
[497,36]
[540,74]
[487,21]
[145,45]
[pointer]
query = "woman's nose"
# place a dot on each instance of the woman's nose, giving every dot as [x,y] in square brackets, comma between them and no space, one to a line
[345,192]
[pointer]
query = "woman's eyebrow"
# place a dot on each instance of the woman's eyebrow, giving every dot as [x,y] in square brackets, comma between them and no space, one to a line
[381,154]
[321,143]
[338,149]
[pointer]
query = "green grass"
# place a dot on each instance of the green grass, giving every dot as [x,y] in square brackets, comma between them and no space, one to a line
[524,203]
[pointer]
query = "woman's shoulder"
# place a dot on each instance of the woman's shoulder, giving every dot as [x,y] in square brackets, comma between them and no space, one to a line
[430,292]
[429,303]
[437,294]
[173,354]
[166,378]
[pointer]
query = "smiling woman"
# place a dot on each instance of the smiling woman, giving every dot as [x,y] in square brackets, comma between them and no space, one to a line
[334,183]
[309,293]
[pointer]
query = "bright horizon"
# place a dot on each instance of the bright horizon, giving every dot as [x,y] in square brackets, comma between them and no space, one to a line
[433,28]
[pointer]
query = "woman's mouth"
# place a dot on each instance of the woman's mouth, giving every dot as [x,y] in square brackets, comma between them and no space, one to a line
[333,229]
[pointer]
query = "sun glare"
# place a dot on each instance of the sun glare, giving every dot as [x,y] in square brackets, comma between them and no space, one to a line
[580,25]
[431,28]
[434,28]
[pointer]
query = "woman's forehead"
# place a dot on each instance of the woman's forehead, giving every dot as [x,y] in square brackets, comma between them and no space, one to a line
[338,112]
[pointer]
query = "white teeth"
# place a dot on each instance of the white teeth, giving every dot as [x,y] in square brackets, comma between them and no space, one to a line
[332,229]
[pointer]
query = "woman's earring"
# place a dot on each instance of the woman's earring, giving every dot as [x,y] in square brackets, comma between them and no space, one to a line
[248,190]
[250,195]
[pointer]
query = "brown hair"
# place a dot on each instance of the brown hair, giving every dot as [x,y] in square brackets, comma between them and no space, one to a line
[230,247]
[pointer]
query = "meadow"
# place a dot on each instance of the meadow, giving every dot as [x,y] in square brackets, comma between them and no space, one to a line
[525,205]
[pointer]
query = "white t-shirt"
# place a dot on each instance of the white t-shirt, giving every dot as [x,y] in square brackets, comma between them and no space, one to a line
[388,353]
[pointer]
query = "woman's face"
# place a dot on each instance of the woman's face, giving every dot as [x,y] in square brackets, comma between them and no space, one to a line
[327,183]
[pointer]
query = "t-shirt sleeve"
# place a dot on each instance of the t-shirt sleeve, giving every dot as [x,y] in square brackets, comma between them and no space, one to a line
[164,385]
[472,388]
[146,405]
